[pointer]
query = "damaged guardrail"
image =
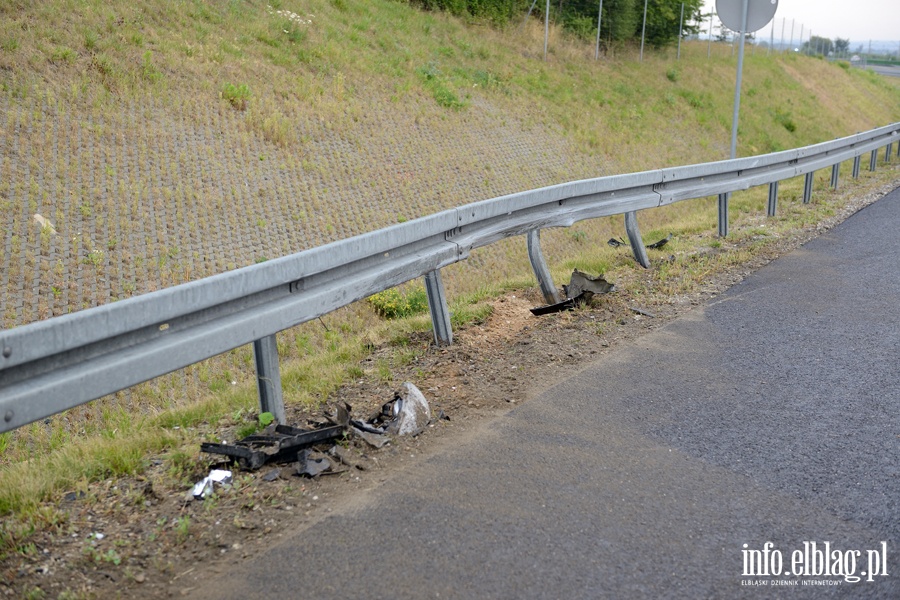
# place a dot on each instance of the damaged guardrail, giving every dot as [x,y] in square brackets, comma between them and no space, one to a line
[53,365]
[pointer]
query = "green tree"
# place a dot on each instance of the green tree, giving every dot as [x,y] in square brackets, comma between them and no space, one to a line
[841,46]
[663,17]
[817,45]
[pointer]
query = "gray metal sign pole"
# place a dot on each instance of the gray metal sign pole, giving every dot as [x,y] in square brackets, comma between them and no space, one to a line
[680,29]
[546,28]
[599,17]
[737,85]
[738,16]
[644,30]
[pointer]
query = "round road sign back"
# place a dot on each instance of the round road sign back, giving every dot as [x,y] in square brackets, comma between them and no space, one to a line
[759,13]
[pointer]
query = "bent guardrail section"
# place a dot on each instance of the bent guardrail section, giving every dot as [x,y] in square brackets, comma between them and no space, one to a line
[51,366]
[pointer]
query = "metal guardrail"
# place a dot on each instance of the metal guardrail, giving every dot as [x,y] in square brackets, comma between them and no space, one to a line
[57,364]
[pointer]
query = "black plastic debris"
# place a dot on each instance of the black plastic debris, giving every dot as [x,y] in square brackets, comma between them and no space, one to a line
[581,289]
[281,445]
[660,243]
[615,243]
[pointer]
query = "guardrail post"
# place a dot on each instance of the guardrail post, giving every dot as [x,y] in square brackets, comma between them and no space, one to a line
[634,236]
[545,280]
[773,198]
[873,159]
[835,174]
[268,377]
[437,306]
[888,151]
[856,160]
[807,187]
[723,214]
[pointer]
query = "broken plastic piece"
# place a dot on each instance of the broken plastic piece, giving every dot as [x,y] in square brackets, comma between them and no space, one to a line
[581,288]
[312,465]
[615,243]
[660,243]
[582,282]
[411,411]
[375,440]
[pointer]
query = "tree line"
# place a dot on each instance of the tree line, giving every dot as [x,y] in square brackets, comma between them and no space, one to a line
[621,20]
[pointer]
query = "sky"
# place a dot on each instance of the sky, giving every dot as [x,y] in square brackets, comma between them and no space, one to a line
[858,20]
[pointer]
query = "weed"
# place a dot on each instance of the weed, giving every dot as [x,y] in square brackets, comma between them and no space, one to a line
[236,95]
[395,304]
[149,71]
[182,526]
[784,119]
[672,74]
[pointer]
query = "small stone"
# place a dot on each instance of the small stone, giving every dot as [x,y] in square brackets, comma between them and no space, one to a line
[140,578]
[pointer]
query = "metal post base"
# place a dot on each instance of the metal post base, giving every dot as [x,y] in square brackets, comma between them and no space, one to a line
[545,280]
[437,306]
[723,214]
[807,187]
[268,377]
[773,198]
[634,236]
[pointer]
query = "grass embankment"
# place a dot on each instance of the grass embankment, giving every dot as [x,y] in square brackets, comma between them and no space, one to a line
[168,141]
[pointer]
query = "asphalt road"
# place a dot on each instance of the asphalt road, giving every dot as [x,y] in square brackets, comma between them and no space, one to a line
[769,415]
[885,70]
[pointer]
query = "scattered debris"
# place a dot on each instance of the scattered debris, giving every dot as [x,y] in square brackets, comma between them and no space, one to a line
[616,243]
[408,413]
[411,411]
[581,289]
[205,487]
[375,440]
[281,444]
[581,283]
[660,243]
[641,312]
[44,223]
[313,464]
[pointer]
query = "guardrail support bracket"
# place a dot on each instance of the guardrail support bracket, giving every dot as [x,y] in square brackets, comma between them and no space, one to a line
[807,187]
[545,280]
[773,198]
[634,236]
[437,306]
[268,377]
[723,214]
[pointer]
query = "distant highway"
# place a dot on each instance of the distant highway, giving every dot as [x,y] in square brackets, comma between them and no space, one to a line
[885,70]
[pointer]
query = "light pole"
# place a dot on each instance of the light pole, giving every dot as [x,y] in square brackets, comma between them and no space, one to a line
[643,30]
